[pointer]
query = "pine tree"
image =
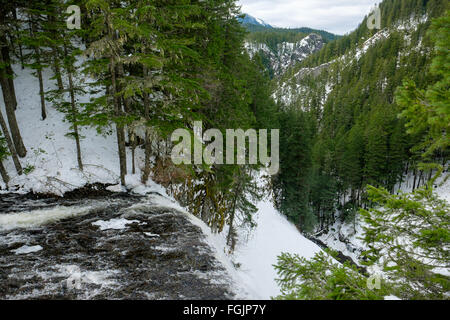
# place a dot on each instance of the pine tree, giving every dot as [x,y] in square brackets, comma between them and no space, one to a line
[292,184]
[321,278]
[165,54]
[7,82]
[244,193]
[428,111]
[37,40]
[53,26]
[66,100]
[109,24]
[409,235]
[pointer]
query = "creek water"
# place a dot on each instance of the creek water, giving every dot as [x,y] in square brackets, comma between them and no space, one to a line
[107,246]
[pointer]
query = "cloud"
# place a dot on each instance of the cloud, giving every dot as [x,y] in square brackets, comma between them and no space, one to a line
[337,16]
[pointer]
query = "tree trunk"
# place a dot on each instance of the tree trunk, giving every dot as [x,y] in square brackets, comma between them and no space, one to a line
[16,29]
[10,144]
[148,152]
[148,149]
[230,240]
[37,52]
[6,60]
[119,127]
[10,112]
[41,86]
[130,131]
[117,109]
[55,52]
[420,179]
[133,151]
[9,70]
[74,119]
[57,69]
[4,174]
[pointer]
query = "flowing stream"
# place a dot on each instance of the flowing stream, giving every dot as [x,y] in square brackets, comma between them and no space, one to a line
[104,246]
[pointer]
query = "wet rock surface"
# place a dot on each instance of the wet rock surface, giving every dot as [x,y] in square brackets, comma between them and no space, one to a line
[116,247]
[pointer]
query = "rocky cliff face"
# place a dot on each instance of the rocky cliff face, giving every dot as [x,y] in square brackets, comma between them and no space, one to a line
[286,53]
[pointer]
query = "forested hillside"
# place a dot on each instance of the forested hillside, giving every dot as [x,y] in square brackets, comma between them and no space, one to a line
[280,49]
[277,57]
[368,119]
[342,129]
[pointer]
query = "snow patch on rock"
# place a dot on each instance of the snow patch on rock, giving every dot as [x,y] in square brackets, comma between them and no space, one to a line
[27,249]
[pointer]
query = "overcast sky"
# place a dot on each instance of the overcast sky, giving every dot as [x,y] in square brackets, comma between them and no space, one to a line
[337,16]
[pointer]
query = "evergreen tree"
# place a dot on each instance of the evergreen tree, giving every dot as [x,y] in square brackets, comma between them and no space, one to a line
[66,100]
[244,193]
[7,82]
[109,25]
[321,278]
[428,111]
[37,38]
[409,235]
[292,184]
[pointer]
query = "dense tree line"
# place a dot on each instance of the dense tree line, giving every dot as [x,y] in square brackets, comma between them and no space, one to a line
[273,38]
[392,12]
[271,35]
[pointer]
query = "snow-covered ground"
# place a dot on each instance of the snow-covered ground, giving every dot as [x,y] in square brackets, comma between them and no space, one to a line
[51,157]
[256,252]
[273,235]
[251,265]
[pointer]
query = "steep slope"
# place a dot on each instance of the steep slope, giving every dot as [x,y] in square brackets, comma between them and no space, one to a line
[296,88]
[346,236]
[282,48]
[257,249]
[250,22]
[51,161]
[273,235]
[351,132]
[344,99]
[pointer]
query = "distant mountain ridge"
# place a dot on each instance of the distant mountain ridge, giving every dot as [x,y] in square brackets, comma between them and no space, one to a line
[253,24]
[282,48]
[249,20]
